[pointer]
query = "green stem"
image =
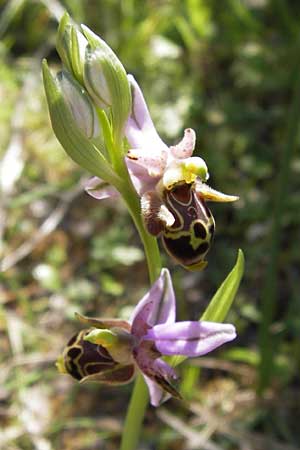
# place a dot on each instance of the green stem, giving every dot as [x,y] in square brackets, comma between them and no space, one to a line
[108,139]
[135,415]
[139,398]
[149,242]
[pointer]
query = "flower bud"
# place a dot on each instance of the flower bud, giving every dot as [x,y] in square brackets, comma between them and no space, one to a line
[66,128]
[94,77]
[71,46]
[81,107]
[106,80]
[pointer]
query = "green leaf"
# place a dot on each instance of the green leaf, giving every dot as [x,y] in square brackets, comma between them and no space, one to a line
[75,143]
[221,302]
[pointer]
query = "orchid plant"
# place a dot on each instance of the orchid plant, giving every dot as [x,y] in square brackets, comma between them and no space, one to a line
[100,117]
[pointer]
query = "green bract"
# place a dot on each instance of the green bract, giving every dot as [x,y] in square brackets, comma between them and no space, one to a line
[75,142]
[221,302]
[95,88]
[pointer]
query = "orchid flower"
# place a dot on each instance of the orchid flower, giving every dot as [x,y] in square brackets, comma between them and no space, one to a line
[110,350]
[171,184]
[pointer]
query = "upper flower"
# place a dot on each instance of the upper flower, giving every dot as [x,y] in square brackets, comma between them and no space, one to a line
[111,350]
[93,106]
[171,184]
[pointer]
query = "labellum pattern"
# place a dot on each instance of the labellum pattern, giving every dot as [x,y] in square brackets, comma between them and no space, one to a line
[85,361]
[189,238]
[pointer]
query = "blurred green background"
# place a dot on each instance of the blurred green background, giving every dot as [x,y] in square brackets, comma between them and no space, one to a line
[231,70]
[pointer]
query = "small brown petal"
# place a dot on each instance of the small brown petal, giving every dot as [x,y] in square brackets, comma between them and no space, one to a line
[103,323]
[116,376]
[155,214]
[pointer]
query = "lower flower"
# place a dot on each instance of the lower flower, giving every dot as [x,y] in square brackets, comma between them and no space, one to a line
[110,351]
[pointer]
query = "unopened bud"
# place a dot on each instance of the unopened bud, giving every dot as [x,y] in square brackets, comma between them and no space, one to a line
[106,80]
[94,77]
[66,123]
[71,46]
[81,107]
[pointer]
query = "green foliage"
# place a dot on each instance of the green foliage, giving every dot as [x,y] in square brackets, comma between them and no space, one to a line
[221,302]
[218,307]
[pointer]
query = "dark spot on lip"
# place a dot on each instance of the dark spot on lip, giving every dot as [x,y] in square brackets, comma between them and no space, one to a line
[203,248]
[74,352]
[199,230]
[103,353]
[182,250]
[91,369]
[73,370]
[182,193]
[72,340]
[212,229]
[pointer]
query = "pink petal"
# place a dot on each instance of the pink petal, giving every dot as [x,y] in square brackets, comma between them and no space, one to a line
[185,148]
[190,338]
[156,307]
[140,130]
[155,391]
[103,322]
[140,177]
[155,214]
[153,161]
[100,189]
[157,373]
